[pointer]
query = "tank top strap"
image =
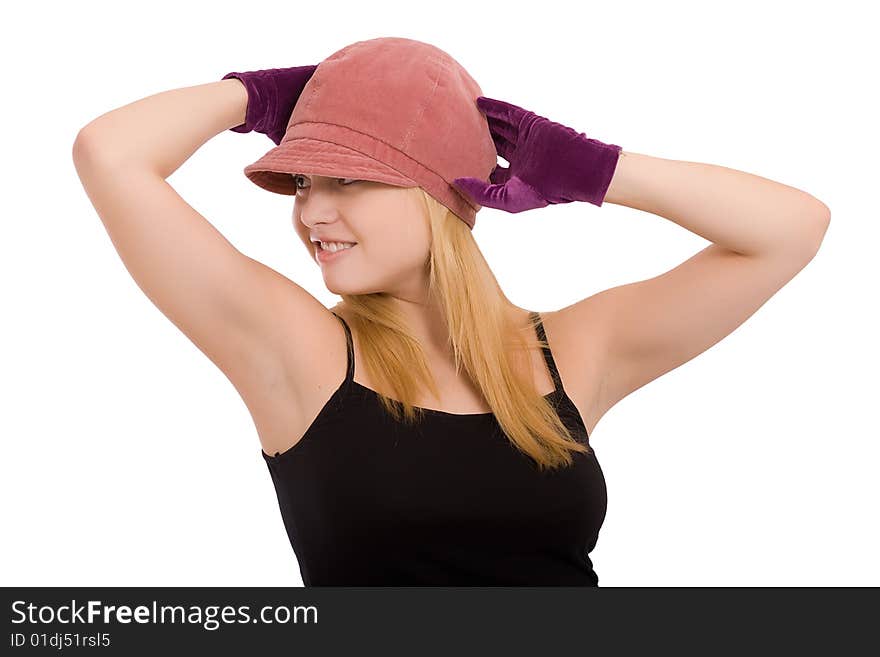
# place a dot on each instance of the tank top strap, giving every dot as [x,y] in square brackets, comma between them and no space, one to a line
[548,355]
[349,371]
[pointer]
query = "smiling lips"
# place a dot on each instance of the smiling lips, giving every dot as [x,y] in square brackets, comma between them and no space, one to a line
[335,246]
[324,255]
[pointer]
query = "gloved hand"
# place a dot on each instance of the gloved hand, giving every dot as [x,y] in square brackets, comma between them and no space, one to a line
[272,95]
[549,163]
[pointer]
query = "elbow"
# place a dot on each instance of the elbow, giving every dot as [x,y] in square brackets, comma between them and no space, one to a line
[80,150]
[824,214]
[818,227]
[83,144]
[824,220]
[89,145]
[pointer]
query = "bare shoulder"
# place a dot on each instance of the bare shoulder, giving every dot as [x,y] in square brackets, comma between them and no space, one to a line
[576,336]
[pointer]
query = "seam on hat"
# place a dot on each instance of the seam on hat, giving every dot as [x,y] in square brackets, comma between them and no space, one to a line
[314,93]
[391,146]
[428,97]
[339,125]
[349,167]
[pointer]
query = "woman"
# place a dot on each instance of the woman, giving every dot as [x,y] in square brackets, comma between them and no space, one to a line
[422,432]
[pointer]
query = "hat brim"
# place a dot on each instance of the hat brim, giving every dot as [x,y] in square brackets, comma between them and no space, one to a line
[274,171]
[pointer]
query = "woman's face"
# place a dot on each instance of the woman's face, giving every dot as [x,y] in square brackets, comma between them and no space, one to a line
[386,223]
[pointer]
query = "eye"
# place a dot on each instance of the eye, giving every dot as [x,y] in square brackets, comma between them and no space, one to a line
[298,176]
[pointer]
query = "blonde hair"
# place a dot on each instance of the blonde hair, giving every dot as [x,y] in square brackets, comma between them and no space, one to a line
[486,344]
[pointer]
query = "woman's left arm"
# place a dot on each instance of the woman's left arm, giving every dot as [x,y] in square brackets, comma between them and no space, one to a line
[762,232]
[740,211]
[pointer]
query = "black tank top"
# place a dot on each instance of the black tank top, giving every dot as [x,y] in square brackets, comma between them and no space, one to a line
[367,501]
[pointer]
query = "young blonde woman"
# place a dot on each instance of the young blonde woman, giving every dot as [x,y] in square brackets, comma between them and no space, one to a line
[422,431]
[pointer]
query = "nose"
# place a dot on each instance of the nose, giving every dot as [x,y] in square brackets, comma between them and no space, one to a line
[317,206]
[317,217]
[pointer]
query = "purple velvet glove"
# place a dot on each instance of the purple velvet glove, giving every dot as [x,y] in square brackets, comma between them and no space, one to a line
[549,163]
[272,95]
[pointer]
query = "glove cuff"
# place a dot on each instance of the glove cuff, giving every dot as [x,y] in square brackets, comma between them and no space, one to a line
[599,162]
[257,105]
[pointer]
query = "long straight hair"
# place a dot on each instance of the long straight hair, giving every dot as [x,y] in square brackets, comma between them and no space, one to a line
[486,343]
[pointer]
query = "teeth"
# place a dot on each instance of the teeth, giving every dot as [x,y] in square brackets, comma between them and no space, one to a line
[336,246]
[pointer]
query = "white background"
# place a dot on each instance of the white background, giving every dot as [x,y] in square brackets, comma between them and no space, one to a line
[127,458]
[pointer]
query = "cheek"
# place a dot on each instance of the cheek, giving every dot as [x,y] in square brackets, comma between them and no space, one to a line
[403,254]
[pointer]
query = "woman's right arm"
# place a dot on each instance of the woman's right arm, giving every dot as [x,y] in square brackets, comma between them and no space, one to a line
[237,311]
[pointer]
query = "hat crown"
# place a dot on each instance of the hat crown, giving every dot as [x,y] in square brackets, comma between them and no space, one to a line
[405,92]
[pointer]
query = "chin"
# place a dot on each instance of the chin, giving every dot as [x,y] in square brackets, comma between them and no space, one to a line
[340,288]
